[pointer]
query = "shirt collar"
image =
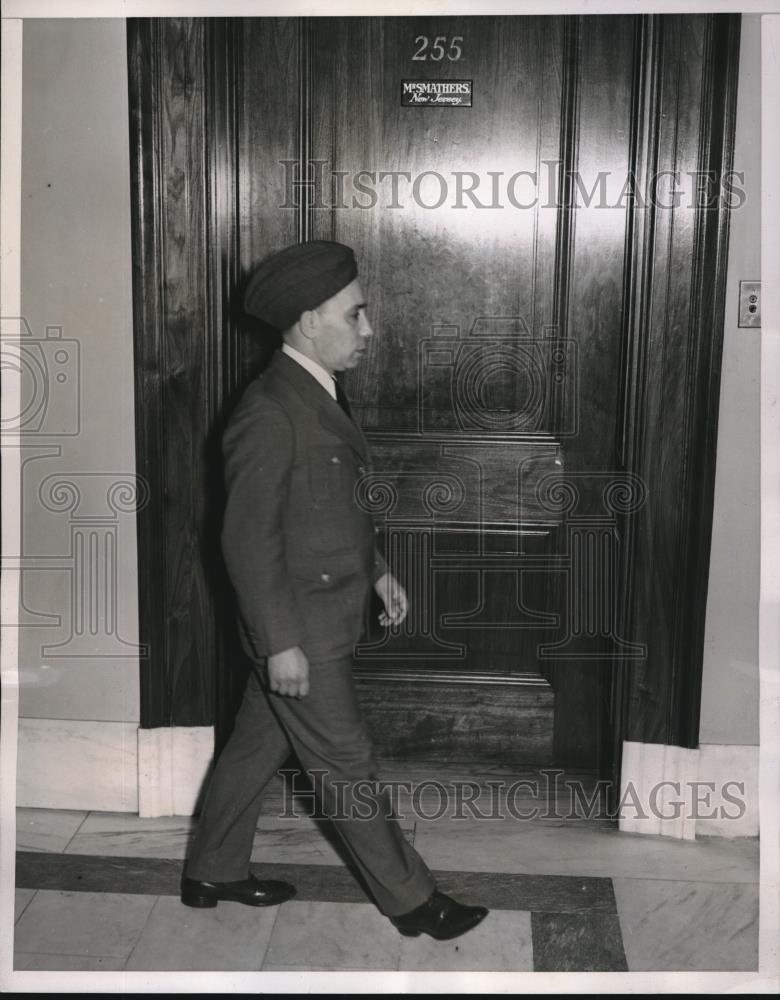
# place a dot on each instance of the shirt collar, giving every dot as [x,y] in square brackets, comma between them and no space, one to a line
[316,370]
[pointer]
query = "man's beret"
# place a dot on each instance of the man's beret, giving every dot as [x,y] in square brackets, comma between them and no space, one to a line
[298,278]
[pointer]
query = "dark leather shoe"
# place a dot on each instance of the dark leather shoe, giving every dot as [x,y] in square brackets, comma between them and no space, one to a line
[250,891]
[441,917]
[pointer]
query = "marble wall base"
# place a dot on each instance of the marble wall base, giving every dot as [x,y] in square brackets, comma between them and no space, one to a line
[65,764]
[676,792]
[173,764]
[117,767]
[112,766]
[734,771]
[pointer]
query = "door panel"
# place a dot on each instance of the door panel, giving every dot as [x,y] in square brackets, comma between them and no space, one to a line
[430,267]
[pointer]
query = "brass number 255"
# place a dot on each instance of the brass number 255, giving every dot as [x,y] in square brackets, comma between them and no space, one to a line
[437,50]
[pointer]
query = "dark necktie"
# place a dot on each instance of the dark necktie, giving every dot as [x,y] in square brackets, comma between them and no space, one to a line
[341,399]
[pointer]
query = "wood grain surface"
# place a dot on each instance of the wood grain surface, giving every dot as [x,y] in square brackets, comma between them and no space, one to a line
[584,329]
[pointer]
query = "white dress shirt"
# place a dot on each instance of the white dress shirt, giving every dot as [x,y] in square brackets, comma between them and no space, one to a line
[326,381]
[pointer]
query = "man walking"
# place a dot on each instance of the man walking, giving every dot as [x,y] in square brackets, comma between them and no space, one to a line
[302,559]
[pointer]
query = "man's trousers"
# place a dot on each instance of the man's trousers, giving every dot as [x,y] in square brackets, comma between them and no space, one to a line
[325,729]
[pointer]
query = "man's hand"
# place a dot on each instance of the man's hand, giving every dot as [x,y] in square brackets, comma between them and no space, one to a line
[288,673]
[394,599]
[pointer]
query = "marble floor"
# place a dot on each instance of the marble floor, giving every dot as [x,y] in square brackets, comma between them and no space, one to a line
[98,891]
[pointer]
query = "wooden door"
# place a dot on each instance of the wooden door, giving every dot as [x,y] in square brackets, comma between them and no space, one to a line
[516,280]
[494,375]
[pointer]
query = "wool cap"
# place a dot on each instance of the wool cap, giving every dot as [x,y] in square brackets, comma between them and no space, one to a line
[298,278]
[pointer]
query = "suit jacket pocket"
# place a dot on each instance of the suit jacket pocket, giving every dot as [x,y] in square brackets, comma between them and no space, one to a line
[332,475]
[327,568]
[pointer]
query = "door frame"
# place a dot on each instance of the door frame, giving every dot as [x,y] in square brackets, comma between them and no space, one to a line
[183,85]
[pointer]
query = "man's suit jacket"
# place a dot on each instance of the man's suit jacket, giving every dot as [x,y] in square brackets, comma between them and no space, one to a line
[299,550]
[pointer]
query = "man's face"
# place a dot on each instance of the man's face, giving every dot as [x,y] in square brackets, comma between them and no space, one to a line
[343,330]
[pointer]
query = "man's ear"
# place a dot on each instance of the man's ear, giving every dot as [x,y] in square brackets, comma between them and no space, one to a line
[309,323]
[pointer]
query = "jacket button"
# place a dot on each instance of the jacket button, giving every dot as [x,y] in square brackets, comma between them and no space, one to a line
[325,577]
[336,460]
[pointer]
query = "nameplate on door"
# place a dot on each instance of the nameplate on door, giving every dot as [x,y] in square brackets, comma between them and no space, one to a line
[441,93]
